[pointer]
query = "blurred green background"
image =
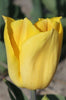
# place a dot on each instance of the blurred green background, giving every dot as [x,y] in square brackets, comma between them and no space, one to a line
[33,9]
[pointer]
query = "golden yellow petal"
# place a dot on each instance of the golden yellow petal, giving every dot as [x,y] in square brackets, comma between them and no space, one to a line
[52,23]
[8,19]
[21,30]
[10,33]
[60,31]
[28,30]
[47,24]
[38,59]
[12,59]
[17,27]
[42,25]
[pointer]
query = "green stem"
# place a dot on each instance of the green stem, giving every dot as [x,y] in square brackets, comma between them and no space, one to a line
[33,95]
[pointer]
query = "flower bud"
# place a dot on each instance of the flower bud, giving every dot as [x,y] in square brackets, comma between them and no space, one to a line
[33,51]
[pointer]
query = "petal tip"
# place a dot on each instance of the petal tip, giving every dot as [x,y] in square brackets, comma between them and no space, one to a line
[5,18]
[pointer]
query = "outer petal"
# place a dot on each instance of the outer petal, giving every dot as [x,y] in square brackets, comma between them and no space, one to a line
[48,24]
[17,27]
[10,33]
[20,31]
[12,59]
[16,32]
[28,30]
[60,31]
[38,59]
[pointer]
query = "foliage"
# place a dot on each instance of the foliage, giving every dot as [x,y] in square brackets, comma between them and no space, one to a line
[37,11]
[3,61]
[2,52]
[16,94]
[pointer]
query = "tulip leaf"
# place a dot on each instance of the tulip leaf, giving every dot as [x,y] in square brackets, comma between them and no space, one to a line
[63,21]
[11,95]
[3,72]
[0,36]
[50,6]
[49,15]
[2,69]
[3,10]
[14,92]
[55,97]
[51,97]
[45,98]
[36,12]
[60,97]
[2,52]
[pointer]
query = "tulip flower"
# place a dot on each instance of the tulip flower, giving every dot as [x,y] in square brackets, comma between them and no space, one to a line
[33,50]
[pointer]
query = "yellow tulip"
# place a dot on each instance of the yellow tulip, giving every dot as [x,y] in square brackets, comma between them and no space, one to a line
[33,51]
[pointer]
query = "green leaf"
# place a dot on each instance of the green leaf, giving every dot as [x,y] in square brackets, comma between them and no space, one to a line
[63,21]
[63,53]
[0,36]
[49,15]
[11,95]
[2,52]
[2,69]
[45,98]
[56,97]
[3,72]
[60,97]
[50,6]
[51,97]
[15,92]
[4,4]
[37,11]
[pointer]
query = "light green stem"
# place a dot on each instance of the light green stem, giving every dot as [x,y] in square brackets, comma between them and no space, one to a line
[33,95]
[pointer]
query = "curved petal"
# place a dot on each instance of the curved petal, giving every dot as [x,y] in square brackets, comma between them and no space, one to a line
[10,33]
[17,27]
[28,30]
[48,24]
[15,33]
[38,59]
[60,31]
[12,59]
[20,31]
[8,19]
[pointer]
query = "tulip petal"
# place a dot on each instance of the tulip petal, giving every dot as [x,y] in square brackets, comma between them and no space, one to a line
[8,19]
[9,31]
[13,68]
[48,24]
[60,31]
[38,59]
[17,27]
[21,30]
[14,34]
[28,30]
